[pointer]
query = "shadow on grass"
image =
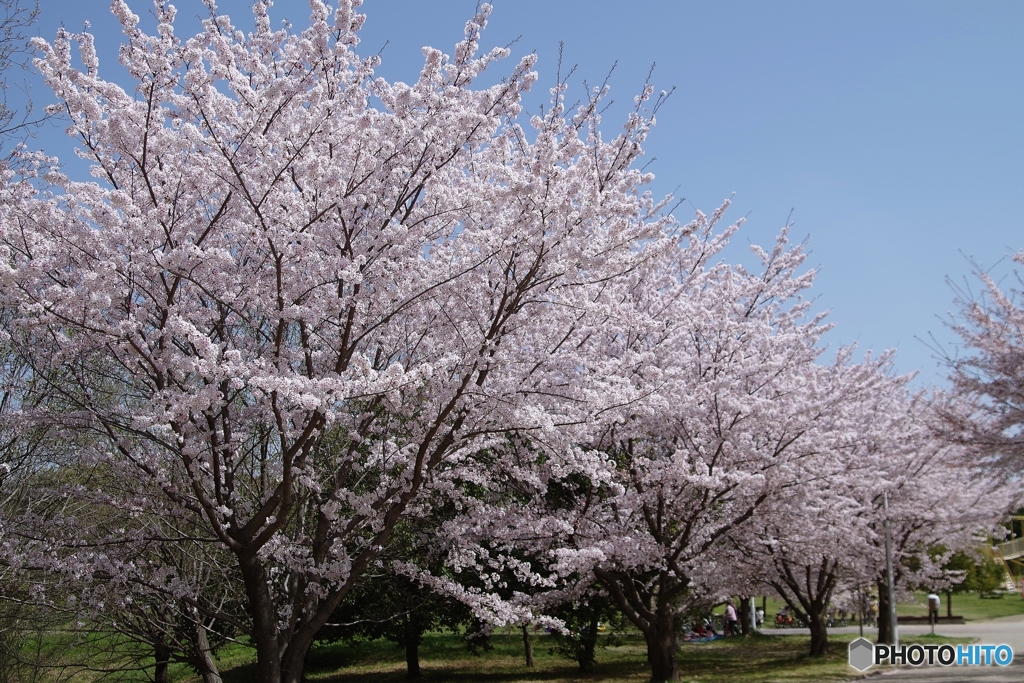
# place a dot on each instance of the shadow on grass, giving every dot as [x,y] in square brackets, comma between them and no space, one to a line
[764,658]
[619,672]
[245,673]
[444,657]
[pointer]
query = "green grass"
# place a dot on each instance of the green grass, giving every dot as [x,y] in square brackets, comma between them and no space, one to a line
[69,654]
[762,659]
[970,606]
[443,657]
[776,658]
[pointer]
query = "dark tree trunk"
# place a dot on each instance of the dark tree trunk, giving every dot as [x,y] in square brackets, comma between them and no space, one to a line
[527,646]
[412,658]
[411,637]
[657,625]
[293,660]
[746,626]
[807,589]
[588,643]
[661,652]
[264,622]
[293,653]
[819,632]
[886,634]
[162,654]
[293,656]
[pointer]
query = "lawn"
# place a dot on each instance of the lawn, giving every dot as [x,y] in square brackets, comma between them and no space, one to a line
[970,606]
[761,659]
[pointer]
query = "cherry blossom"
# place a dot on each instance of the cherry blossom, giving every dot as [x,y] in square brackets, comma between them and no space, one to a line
[295,292]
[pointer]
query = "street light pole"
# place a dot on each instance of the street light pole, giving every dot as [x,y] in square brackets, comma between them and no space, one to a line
[889,574]
[860,609]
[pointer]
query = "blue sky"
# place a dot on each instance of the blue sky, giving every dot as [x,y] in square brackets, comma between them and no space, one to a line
[893,131]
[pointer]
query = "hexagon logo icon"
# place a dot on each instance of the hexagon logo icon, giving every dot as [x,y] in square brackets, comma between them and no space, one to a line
[862,654]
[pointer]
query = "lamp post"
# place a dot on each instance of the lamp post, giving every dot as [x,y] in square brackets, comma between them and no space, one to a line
[860,609]
[889,574]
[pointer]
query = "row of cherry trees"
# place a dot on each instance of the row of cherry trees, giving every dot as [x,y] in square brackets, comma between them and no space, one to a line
[303,315]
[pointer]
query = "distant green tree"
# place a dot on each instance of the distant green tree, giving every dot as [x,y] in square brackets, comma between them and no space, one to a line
[393,607]
[582,620]
[385,604]
[981,575]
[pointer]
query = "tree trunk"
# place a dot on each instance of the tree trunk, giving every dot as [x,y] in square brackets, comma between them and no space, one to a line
[527,646]
[292,655]
[412,658]
[657,625]
[162,654]
[264,624]
[819,632]
[886,634]
[588,641]
[412,636]
[807,589]
[205,663]
[949,603]
[661,652]
[746,627]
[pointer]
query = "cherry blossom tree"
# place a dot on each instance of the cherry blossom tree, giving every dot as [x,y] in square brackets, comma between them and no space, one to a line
[26,450]
[990,374]
[809,541]
[17,116]
[147,579]
[827,536]
[296,293]
[727,430]
[723,412]
[718,408]
[942,498]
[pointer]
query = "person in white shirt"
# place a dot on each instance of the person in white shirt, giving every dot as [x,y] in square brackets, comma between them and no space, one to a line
[933,608]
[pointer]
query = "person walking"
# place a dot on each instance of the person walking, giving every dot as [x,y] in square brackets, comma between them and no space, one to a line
[933,609]
[731,619]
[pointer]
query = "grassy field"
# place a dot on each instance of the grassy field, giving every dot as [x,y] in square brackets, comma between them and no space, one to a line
[776,658]
[444,657]
[761,659]
[970,606]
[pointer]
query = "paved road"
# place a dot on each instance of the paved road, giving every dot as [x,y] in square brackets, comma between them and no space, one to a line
[1007,630]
